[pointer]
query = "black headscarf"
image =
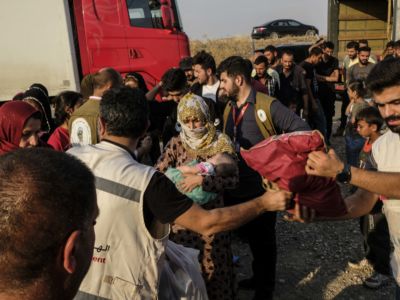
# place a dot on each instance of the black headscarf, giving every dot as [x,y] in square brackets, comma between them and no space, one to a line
[140,80]
[39,94]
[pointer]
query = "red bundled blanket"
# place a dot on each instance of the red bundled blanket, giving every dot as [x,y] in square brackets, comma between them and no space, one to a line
[281,159]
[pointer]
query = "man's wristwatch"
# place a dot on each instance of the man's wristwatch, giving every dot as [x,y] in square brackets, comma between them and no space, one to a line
[345,175]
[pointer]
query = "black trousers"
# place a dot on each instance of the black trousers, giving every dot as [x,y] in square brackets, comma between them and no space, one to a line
[261,236]
[377,245]
[327,99]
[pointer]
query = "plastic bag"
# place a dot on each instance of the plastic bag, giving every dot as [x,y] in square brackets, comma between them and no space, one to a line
[181,275]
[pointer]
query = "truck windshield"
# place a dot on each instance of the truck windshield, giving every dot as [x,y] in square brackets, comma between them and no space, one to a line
[177,15]
[147,13]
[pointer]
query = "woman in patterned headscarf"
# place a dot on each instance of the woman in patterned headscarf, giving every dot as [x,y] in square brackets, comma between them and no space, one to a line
[199,140]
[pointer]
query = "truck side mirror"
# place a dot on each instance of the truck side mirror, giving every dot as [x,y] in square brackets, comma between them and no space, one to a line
[167,15]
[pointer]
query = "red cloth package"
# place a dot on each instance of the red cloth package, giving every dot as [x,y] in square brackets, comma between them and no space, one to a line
[281,159]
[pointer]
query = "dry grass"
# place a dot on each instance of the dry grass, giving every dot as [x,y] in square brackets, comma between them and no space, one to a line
[241,45]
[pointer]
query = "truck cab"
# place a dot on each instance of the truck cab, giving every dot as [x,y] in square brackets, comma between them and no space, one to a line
[56,43]
[130,35]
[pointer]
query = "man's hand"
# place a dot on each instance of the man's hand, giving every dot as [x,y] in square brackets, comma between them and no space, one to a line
[276,200]
[189,182]
[324,164]
[302,214]
[305,114]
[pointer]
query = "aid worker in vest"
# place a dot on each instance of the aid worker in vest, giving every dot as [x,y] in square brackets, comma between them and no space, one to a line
[384,83]
[83,126]
[137,203]
[249,118]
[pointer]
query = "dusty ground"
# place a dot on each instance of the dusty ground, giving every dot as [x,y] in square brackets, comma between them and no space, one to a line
[312,259]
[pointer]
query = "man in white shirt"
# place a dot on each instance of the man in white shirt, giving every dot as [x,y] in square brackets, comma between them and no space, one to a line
[383,184]
[204,70]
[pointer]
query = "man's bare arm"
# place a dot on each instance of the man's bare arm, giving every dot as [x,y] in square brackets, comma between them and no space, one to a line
[358,204]
[208,222]
[334,77]
[381,183]
[329,165]
[313,102]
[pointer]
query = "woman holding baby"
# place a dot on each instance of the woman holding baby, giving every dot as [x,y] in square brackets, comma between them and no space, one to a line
[202,164]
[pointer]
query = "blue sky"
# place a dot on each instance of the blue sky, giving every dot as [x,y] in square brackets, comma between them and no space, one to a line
[222,18]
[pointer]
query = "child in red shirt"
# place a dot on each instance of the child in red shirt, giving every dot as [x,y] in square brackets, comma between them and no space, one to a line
[374,225]
[65,104]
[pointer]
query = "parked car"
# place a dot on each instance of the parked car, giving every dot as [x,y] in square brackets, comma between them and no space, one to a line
[277,28]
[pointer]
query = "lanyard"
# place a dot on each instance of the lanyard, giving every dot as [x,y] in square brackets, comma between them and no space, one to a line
[236,121]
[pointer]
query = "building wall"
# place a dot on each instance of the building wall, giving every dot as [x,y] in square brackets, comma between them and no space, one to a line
[359,19]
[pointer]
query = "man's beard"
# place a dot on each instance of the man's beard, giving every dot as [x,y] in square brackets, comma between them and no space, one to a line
[233,95]
[262,75]
[364,62]
[395,129]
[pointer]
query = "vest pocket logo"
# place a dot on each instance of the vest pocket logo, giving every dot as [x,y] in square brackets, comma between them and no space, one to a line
[262,115]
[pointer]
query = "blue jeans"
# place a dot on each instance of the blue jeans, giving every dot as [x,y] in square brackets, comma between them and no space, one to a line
[354,144]
[391,209]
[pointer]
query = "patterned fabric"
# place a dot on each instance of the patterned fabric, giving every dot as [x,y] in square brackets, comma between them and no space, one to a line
[215,250]
[271,84]
[204,141]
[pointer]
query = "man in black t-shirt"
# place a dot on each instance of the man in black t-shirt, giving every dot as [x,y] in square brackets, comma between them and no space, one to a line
[317,117]
[152,197]
[327,74]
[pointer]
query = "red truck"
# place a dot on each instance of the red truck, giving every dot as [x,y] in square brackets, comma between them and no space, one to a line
[57,42]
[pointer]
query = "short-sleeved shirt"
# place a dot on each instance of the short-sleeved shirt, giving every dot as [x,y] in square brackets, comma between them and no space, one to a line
[365,156]
[310,75]
[359,72]
[163,201]
[326,68]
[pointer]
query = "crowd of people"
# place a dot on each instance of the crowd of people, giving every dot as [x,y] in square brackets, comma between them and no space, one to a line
[165,167]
